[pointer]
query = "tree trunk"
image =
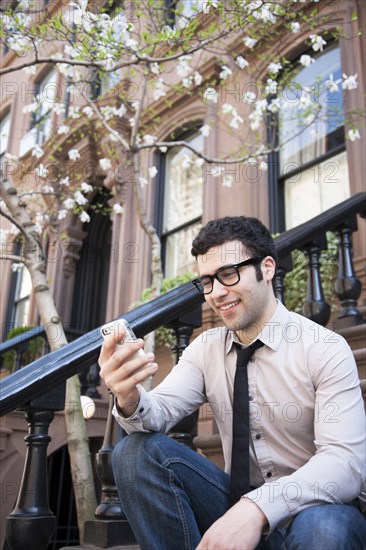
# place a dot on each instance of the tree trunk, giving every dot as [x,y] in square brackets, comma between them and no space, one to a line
[78,443]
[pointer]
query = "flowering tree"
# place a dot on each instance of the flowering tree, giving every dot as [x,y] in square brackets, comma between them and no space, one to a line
[194,49]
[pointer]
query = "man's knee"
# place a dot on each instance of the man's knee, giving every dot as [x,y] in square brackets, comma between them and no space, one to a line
[133,450]
[333,526]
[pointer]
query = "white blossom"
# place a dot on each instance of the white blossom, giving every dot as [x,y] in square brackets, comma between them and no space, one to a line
[30,70]
[306,60]
[105,164]
[249,97]
[41,171]
[37,152]
[187,81]
[163,149]
[197,77]
[183,69]
[295,26]
[62,214]
[152,171]
[225,72]
[205,130]
[309,119]
[31,107]
[63,129]
[88,111]
[317,42]
[263,166]
[218,170]
[65,181]
[74,113]
[210,95]
[132,121]
[74,154]
[148,139]
[86,187]
[47,189]
[80,199]
[271,86]
[117,208]
[142,181]
[249,42]
[332,85]
[69,203]
[241,62]
[227,108]
[58,108]
[353,135]
[349,82]
[274,68]
[154,68]
[199,162]
[113,137]
[236,120]
[84,217]
[158,89]
[227,180]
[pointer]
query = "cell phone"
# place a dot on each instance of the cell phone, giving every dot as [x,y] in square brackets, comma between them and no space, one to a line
[130,336]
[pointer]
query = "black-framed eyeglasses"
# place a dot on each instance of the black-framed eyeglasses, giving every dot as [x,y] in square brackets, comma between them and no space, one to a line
[227,275]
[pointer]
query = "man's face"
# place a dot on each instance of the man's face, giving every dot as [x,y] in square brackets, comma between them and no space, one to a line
[249,304]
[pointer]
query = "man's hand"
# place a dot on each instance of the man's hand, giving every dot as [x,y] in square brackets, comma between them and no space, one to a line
[121,373]
[239,529]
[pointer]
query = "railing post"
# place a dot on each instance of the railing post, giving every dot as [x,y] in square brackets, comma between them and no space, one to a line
[185,430]
[315,307]
[31,524]
[347,286]
[110,526]
[284,265]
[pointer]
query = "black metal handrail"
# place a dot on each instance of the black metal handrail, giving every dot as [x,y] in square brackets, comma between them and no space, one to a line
[56,367]
[51,370]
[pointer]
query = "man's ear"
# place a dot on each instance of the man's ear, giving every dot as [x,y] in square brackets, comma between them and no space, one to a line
[268,268]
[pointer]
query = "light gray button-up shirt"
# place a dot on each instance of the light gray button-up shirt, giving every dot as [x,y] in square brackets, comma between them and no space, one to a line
[307,419]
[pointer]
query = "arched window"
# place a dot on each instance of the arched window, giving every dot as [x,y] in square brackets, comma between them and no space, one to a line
[179,205]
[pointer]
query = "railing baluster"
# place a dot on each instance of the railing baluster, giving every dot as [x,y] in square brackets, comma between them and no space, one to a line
[347,286]
[315,307]
[185,430]
[110,526]
[284,265]
[31,524]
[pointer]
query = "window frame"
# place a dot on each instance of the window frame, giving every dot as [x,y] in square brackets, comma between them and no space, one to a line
[276,179]
[159,206]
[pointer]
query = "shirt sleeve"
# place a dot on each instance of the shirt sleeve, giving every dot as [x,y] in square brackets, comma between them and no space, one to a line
[336,472]
[177,396]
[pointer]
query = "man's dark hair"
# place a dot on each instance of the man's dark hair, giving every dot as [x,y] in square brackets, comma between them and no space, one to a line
[255,237]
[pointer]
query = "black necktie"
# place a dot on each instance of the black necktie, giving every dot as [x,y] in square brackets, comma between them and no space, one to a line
[239,482]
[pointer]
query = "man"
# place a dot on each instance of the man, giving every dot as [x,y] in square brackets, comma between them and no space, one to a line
[307,423]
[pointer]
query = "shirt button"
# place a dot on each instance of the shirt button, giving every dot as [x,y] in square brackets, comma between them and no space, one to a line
[269,474]
[258,436]
[252,360]
[141,410]
[250,398]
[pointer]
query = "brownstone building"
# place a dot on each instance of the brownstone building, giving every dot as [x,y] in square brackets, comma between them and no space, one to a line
[98,269]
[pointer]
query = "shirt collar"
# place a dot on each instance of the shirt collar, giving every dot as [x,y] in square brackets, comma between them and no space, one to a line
[272,332]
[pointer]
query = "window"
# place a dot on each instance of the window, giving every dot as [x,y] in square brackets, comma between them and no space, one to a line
[4,136]
[23,287]
[46,90]
[179,11]
[182,206]
[313,171]
[110,79]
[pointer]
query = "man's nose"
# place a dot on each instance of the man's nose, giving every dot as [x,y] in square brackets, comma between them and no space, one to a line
[219,289]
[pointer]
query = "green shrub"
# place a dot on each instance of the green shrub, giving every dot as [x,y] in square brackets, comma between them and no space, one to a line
[34,349]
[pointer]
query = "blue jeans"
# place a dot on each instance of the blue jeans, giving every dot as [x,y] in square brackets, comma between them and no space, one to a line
[171,495]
